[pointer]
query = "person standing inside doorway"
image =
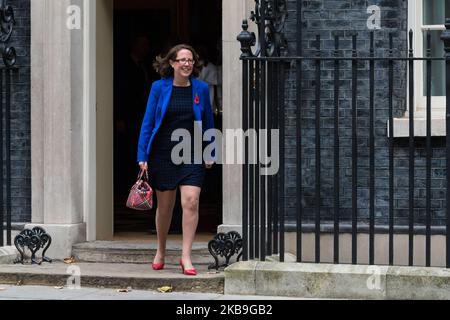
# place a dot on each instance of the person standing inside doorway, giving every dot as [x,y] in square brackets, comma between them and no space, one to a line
[212,76]
[133,87]
[177,101]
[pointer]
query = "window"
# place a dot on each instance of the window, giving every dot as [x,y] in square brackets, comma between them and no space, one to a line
[427,16]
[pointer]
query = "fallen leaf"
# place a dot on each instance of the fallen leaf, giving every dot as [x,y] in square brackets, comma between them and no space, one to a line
[213,272]
[69,260]
[124,290]
[19,283]
[165,289]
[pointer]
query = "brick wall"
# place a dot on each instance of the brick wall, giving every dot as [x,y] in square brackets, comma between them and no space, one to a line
[20,115]
[329,18]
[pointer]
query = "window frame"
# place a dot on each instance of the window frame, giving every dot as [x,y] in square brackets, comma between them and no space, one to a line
[438,103]
[415,19]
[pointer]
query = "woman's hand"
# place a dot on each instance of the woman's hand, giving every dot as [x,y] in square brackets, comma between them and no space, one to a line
[143,166]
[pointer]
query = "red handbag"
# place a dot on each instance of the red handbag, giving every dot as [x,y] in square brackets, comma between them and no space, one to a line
[141,194]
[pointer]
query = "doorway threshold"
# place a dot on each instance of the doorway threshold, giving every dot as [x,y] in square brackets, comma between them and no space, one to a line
[146,237]
[137,252]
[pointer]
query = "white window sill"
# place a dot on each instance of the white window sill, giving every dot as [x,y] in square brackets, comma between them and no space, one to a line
[438,129]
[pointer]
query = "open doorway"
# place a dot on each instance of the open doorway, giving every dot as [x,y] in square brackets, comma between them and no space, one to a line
[142,30]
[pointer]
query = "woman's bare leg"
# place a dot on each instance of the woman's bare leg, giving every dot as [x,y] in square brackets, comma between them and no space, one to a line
[190,198]
[166,203]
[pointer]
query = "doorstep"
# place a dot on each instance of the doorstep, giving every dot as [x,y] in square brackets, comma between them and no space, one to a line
[113,275]
[135,252]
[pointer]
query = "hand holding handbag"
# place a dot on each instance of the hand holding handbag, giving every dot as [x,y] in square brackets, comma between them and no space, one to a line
[141,194]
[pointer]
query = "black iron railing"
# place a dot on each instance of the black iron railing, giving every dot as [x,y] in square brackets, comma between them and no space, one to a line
[264,197]
[7,73]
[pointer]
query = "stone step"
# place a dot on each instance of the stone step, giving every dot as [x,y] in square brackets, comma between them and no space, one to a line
[137,252]
[112,275]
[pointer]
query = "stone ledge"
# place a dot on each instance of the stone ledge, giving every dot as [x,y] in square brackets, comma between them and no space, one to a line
[418,283]
[336,281]
[401,127]
[8,255]
[240,278]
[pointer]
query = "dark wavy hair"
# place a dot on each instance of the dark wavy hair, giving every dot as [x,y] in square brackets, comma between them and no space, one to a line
[162,63]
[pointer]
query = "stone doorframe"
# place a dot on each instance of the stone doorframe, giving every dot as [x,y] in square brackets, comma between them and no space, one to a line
[71,122]
[234,11]
[72,119]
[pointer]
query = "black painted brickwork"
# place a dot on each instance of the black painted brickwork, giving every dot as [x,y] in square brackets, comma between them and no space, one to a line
[20,115]
[344,18]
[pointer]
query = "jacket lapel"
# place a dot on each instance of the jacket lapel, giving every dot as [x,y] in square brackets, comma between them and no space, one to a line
[167,94]
[195,93]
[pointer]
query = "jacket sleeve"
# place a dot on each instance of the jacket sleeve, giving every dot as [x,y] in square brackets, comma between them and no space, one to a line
[148,124]
[208,117]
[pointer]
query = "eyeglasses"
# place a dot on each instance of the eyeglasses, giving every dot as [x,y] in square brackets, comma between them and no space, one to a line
[184,61]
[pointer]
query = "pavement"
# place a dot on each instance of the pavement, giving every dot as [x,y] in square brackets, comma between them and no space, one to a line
[19,292]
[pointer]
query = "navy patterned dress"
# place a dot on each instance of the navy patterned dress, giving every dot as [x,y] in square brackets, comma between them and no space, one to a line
[164,175]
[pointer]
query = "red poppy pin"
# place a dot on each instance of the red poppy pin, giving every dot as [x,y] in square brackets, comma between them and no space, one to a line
[197,99]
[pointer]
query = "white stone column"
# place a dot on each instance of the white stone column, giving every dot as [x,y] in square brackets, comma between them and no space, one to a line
[57,125]
[234,12]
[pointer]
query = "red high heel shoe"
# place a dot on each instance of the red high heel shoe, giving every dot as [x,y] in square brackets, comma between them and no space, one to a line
[188,272]
[158,266]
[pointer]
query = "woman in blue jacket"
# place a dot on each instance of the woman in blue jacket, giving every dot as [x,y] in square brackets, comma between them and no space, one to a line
[177,101]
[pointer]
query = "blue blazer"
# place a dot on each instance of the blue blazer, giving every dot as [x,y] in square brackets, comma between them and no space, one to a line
[157,105]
